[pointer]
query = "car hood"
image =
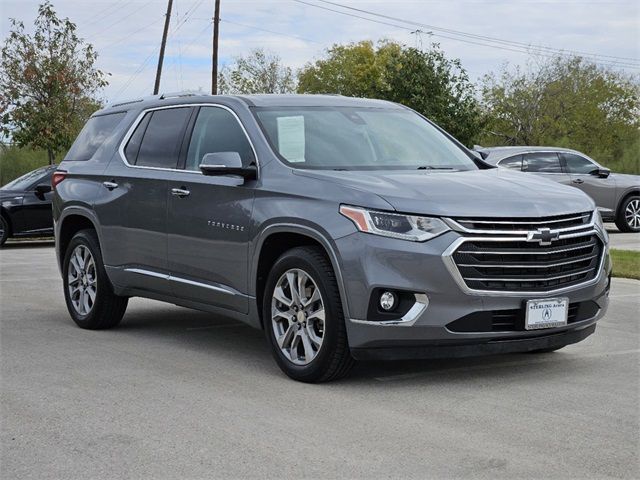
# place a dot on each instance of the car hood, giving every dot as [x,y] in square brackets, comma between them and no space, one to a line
[483,193]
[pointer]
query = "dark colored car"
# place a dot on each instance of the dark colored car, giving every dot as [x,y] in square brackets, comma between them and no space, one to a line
[617,195]
[25,206]
[344,228]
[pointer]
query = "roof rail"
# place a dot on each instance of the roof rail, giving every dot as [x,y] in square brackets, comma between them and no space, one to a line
[162,96]
[186,93]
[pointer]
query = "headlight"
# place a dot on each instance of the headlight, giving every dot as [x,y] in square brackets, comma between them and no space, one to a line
[406,227]
[597,218]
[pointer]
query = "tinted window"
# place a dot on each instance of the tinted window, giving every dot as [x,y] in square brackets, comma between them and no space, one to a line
[217,130]
[512,162]
[578,164]
[94,133]
[31,179]
[133,146]
[161,142]
[542,162]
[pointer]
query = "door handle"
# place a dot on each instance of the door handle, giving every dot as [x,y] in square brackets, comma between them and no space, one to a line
[110,185]
[578,181]
[180,192]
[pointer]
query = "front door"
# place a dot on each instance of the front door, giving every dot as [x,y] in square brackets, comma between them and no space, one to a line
[581,170]
[209,217]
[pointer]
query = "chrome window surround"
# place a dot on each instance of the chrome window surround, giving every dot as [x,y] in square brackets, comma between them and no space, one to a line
[454,225]
[134,125]
[407,320]
[450,264]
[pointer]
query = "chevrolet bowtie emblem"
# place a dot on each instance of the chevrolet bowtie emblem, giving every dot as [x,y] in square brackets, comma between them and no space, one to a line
[544,236]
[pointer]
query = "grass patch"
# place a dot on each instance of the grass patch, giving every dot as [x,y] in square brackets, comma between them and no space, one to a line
[626,263]
[15,161]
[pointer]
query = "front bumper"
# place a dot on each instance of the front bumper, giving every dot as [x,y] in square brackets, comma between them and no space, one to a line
[370,262]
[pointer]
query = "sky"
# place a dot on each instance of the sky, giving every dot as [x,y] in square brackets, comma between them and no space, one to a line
[127,33]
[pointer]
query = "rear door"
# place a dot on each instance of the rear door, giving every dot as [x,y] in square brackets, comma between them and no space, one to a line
[133,204]
[545,164]
[209,216]
[602,190]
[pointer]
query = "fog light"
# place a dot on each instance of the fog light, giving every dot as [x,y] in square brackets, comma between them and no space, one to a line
[388,301]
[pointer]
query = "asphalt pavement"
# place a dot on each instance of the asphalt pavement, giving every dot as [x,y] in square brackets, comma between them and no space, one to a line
[623,241]
[178,394]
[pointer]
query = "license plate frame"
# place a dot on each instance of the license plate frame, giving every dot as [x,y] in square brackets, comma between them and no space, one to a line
[543,313]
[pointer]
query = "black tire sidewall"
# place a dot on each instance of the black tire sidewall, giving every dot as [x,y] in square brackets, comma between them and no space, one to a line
[622,215]
[86,238]
[333,315]
[5,226]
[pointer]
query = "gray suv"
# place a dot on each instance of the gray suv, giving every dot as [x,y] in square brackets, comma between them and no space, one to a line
[344,228]
[617,195]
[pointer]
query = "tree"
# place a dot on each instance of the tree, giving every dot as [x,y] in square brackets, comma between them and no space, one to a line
[47,83]
[565,102]
[426,81]
[257,72]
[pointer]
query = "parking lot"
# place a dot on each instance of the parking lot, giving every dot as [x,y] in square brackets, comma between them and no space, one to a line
[174,393]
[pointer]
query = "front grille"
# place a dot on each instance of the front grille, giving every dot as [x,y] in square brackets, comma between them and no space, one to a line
[571,221]
[519,266]
[513,320]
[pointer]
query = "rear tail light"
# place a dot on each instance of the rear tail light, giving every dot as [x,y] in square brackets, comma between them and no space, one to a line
[57,177]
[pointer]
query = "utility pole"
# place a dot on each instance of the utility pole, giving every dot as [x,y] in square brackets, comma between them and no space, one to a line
[167,19]
[214,62]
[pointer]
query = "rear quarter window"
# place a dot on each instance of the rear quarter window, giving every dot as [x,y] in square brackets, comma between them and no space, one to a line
[93,135]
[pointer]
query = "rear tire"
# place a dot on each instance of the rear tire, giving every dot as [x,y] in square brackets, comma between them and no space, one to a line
[4,230]
[87,289]
[628,216]
[306,330]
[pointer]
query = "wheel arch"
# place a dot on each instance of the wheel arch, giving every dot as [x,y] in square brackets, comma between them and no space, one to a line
[279,238]
[628,193]
[70,222]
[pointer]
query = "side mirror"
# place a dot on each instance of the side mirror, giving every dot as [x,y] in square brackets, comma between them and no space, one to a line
[41,189]
[601,172]
[227,163]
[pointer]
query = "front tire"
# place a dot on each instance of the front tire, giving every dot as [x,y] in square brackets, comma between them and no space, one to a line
[87,289]
[628,217]
[303,317]
[4,230]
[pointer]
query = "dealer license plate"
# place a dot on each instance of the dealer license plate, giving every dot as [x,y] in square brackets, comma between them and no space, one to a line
[546,313]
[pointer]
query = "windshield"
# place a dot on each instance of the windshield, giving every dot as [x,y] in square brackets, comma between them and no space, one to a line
[359,139]
[27,180]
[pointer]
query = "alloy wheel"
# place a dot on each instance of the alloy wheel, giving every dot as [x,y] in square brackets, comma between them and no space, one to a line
[297,316]
[82,280]
[632,213]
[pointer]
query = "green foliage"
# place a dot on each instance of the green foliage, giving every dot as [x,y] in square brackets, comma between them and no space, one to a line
[47,83]
[566,102]
[257,72]
[426,81]
[16,161]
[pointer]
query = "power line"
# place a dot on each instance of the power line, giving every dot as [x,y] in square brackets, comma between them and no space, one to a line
[478,39]
[482,37]
[253,27]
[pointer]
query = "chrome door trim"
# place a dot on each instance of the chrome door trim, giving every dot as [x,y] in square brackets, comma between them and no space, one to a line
[173,278]
[407,320]
[139,118]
